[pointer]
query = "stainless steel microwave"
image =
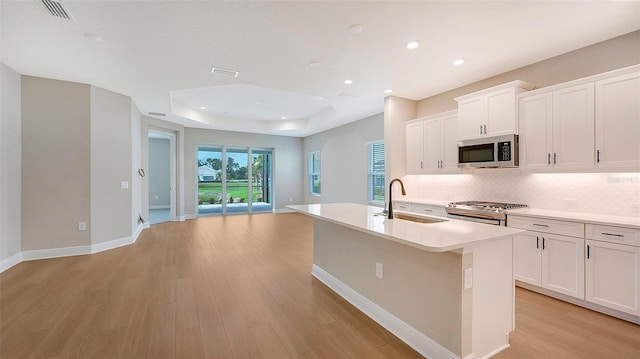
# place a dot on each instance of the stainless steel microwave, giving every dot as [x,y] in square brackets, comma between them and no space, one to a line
[498,151]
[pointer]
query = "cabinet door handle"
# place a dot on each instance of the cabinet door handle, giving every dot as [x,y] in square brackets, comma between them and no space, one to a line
[548,158]
[420,164]
[542,243]
[480,129]
[597,156]
[485,129]
[537,242]
[555,158]
[588,251]
[613,234]
[540,225]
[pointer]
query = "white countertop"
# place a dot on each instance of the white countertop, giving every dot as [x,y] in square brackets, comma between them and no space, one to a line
[593,218]
[630,222]
[448,235]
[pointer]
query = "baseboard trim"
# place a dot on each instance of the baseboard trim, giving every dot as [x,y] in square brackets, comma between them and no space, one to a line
[190,216]
[506,346]
[137,232]
[55,252]
[70,251]
[162,206]
[180,218]
[105,246]
[415,339]
[283,210]
[10,262]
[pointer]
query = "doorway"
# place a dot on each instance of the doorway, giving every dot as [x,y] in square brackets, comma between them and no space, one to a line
[234,180]
[161,177]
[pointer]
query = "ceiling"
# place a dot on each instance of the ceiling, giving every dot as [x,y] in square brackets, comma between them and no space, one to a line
[160,53]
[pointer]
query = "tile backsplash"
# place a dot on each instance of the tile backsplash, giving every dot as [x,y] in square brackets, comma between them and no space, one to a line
[602,193]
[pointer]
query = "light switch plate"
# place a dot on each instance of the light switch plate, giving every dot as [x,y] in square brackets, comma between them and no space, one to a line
[468,278]
[82,226]
[124,185]
[379,270]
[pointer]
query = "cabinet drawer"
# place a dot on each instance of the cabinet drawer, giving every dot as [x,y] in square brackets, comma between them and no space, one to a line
[613,234]
[567,228]
[403,206]
[429,210]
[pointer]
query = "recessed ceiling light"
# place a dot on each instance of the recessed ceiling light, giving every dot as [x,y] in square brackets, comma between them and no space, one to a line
[457,62]
[348,82]
[203,108]
[226,72]
[413,45]
[283,118]
[388,91]
[355,28]
[314,63]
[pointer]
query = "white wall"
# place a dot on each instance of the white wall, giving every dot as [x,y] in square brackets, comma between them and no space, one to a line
[10,162]
[159,173]
[343,160]
[287,165]
[56,163]
[397,110]
[110,165]
[136,164]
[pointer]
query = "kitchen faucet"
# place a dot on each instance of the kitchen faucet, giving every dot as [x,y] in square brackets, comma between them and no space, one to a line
[404,193]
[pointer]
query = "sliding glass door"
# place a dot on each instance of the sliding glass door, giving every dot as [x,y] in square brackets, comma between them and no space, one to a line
[234,180]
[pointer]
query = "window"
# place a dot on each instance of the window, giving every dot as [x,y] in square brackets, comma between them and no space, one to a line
[375,175]
[314,173]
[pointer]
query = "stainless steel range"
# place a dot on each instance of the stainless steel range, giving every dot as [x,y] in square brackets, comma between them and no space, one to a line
[483,212]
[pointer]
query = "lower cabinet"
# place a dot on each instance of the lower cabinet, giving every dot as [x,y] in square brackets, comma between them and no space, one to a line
[613,276]
[552,261]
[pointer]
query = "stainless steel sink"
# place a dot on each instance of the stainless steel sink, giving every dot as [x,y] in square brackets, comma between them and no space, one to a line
[405,217]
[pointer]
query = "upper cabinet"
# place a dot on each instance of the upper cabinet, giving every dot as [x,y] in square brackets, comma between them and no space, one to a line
[556,128]
[490,112]
[582,125]
[431,144]
[617,118]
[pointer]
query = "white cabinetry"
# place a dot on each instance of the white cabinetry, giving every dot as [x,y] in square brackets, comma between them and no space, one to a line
[414,132]
[618,121]
[556,128]
[431,145]
[612,268]
[548,259]
[491,112]
[573,127]
[583,124]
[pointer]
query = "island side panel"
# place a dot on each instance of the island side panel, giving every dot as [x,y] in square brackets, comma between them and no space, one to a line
[493,296]
[421,288]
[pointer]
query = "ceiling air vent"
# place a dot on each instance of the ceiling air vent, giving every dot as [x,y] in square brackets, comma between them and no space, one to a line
[157,114]
[221,71]
[56,8]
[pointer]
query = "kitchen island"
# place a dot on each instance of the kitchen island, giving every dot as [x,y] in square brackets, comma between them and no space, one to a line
[445,287]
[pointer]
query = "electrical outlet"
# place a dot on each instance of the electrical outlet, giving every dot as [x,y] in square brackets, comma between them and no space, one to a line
[82,226]
[468,278]
[290,199]
[379,270]
[157,197]
[124,185]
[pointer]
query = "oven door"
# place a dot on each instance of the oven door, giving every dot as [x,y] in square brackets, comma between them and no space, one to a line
[493,221]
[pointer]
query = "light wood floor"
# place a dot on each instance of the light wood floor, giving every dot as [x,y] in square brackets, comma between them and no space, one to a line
[239,287]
